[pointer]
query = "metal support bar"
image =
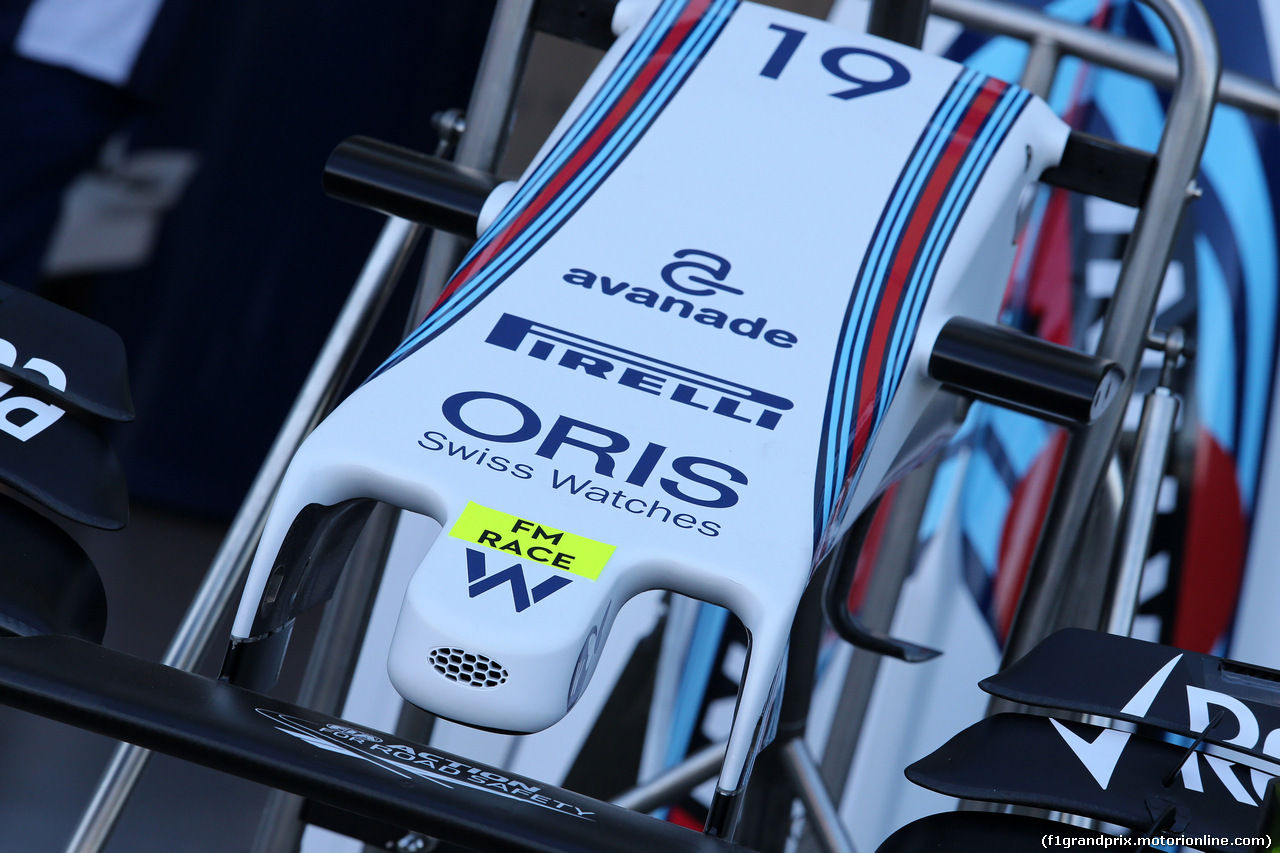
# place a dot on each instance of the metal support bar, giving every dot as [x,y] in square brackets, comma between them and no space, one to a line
[485,138]
[397,181]
[1041,67]
[1159,413]
[586,22]
[899,20]
[1123,337]
[1103,168]
[231,563]
[481,136]
[676,782]
[824,817]
[1142,491]
[1104,49]
[1006,367]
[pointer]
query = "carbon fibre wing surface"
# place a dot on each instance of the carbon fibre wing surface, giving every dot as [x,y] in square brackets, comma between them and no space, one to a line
[1096,673]
[1146,785]
[62,378]
[331,761]
[981,832]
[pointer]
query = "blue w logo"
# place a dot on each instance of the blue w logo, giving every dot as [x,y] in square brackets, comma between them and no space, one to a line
[479,581]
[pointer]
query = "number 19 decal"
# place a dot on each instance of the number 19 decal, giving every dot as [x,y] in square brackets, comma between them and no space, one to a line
[898,74]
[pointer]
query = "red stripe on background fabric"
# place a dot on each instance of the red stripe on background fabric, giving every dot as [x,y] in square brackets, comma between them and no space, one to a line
[1217,529]
[1028,508]
[905,255]
[691,14]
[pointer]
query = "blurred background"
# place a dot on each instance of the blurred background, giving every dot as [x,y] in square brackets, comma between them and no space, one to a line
[161,173]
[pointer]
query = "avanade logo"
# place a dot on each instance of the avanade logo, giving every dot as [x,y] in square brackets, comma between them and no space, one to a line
[685,275]
[696,285]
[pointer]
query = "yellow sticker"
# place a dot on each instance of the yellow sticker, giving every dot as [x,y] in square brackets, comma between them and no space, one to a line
[520,537]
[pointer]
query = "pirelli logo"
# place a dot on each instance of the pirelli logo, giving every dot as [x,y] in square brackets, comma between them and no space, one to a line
[643,373]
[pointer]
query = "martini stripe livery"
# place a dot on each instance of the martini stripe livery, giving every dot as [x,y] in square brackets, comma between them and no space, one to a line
[655,67]
[914,230]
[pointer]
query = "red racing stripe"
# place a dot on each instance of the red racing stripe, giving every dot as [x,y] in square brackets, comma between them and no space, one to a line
[653,66]
[905,255]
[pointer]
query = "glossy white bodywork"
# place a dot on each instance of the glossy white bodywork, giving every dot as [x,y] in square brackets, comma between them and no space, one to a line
[649,363]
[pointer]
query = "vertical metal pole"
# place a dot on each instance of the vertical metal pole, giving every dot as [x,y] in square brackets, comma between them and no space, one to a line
[488,117]
[1045,598]
[1142,493]
[487,125]
[823,815]
[1041,67]
[1159,414]
[899,20]
[231,563]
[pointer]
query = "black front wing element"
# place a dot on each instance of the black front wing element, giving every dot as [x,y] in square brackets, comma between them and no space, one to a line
[1096,673]
[984,832]
[1148,786]
[323,758]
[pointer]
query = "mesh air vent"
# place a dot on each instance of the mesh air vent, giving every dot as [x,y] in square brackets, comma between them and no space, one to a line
[467,667]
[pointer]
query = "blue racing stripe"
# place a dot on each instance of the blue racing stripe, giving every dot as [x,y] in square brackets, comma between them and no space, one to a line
[870,285]
[582,183]
[591,175]
[673,74]
[968,86]
[841,416]
[957,201]
[892,221]
[630,64]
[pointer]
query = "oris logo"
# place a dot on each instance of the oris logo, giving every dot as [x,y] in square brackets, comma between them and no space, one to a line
[498,418]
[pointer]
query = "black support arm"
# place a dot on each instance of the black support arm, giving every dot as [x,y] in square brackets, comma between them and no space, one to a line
[405,183]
